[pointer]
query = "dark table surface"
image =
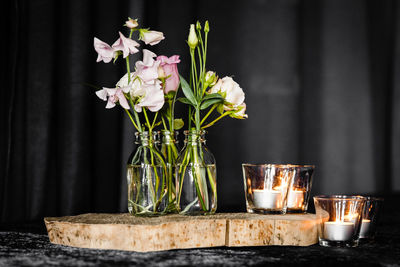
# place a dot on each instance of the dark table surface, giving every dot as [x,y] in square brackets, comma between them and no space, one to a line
[28,245]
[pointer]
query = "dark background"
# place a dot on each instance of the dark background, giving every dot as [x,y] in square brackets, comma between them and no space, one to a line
[321,80]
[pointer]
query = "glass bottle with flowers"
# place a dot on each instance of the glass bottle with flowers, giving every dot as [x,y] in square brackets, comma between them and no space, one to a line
[196,176]
[143,92]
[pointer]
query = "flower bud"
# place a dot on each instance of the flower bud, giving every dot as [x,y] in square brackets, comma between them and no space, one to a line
[131,23]
[198,26]
[206,27]
[161,73]
[192,38]
[211,78]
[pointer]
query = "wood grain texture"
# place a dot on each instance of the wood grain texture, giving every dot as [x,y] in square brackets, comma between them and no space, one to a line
[127,232]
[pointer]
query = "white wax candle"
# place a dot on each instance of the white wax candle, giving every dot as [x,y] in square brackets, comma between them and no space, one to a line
[364,230]
[267,199]
[338,231]
[295,199]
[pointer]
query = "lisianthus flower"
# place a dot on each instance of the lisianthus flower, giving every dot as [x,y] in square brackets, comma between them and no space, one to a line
[114,95]
[126,45]
[147,70]
[170,70]
[240,114]
[151,37]
[153,98]
[105,52]
[192,38]
[231,91]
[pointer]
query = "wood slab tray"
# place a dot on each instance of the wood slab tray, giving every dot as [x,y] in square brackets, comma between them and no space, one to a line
[127,232]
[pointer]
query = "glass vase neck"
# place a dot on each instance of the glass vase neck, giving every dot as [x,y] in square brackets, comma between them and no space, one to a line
[168,137]
[193,136]
[145,139]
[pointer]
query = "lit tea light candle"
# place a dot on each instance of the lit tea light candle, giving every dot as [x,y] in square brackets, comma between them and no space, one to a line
[338,231]
[364,230]
[295,199]
[267,199]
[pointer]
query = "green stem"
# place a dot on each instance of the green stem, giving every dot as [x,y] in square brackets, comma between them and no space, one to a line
[217,119]
[130,116]
[163,122]
[208,114]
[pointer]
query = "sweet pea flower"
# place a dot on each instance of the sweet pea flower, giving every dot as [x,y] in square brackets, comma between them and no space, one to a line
[105,52]
[169,69]
[153,98]
[131,23]
[151,37]
[233,94]
[135,86]
[114,95]
[147,70]
[126,45]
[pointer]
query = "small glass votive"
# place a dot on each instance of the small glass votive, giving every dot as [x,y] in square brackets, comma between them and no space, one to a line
[340,220]
[266,187]
[370,215]
[300,188]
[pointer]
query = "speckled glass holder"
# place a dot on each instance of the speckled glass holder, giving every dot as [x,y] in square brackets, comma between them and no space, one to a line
[266,187]
[372,208]
[340,220]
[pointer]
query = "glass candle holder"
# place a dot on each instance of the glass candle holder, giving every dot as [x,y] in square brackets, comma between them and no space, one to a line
[300,188]
[370,215]
[340,220]
[266,187]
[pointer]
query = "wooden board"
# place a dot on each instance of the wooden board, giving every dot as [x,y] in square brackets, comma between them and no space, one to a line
[127,232]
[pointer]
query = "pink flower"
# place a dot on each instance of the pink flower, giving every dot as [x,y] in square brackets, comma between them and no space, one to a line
[170,69]
[131,23]
[147,70]
[114,95]
[104,51]
[152,37]
[153,98]
[126,45]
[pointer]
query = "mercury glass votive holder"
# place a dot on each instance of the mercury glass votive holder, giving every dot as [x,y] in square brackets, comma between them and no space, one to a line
[370,215]
[300,188]
[339,220]
[266,187]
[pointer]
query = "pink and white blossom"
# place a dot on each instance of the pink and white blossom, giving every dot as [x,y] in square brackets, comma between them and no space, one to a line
[147,70]
[153,98]
[105,52]
[170,70]
[114,95]
[126,45]
[131,23]
[152,37]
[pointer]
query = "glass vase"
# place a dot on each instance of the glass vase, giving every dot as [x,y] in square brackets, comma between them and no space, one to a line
[196,176]
[146,177]
[170,151]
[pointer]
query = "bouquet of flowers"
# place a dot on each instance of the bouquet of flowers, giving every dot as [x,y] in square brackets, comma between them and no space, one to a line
[147,93]
[161,181]
[204,94]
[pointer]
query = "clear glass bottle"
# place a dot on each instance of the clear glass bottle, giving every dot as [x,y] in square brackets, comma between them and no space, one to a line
[146,177]
[170,151]
[196,176]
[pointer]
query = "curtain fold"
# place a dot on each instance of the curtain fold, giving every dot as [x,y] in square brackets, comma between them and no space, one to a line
[320,77]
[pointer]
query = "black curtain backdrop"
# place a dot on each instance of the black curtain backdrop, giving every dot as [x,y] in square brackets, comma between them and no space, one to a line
[322,84]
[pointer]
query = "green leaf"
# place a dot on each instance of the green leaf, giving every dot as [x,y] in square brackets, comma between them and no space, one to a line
[210,102]
[178,124]
[211,96]
[187,91]
[184,100]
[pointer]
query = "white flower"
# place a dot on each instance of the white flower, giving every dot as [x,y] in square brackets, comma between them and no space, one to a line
[241,110]
[230,90]
[152,37]
[124,80]
[131,23]
[147,70]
